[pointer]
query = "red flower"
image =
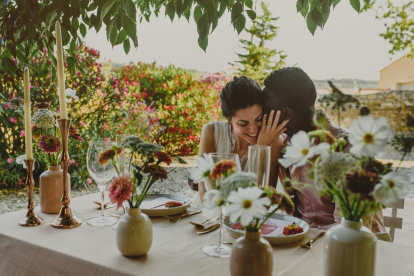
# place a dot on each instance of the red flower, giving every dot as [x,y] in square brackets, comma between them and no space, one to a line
[157,172]
[49,144]
[163,157]
[120,189]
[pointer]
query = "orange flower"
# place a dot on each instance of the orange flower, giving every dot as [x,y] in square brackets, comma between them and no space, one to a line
[163,157]
[107,155]
[222,168]
[157,172]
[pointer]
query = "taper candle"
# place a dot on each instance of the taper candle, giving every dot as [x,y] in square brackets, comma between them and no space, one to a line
[27,116]
[60,73]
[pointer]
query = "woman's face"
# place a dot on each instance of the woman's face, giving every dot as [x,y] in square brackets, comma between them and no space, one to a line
[247,122]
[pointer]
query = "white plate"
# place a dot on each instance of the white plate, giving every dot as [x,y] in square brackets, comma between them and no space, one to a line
[279,239]
[150,205]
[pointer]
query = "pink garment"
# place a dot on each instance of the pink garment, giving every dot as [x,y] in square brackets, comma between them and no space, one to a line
[320,211]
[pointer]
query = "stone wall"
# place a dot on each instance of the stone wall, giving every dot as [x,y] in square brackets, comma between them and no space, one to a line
[394,105]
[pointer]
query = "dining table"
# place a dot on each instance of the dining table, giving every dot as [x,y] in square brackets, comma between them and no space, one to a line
[176,249]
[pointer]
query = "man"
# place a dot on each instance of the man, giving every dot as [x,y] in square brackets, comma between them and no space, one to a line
[292,91]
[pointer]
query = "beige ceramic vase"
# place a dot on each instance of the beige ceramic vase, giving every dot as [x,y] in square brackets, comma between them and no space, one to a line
[51,190]
[349,250]
[251,255]
[134,233]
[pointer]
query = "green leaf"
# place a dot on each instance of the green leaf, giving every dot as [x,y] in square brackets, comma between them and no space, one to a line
[82,29]
[249,3]
[305,9]
[20,56]
[356,4]
[203,43]
[236,11]
[9,65]
[326,9]
[187,13]
[71,64]
[311,24]
[198,13]
[203,27]
[127,46]
[214,21]
[50,18]
[72,46]
[112,34]
[317,17]
[106,8]
[130,9]
[336,2]
[122,35]
[240,23]
[223,7]
[251,14]
[130,26]
[170,10]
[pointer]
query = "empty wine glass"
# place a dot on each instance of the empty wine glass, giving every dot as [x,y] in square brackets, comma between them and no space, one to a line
[220,250]
[259,163]
[102,174]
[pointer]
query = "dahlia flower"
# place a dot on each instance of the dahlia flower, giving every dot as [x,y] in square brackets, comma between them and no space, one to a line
[120,189]
[49,144]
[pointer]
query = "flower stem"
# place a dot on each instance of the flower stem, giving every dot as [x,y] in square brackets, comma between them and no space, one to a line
[402,158]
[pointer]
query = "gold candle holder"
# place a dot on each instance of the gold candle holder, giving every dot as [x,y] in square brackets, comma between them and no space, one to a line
[66,218]
[31,219]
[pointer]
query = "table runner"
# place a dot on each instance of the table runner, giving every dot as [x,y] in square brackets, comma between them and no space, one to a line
[176,250]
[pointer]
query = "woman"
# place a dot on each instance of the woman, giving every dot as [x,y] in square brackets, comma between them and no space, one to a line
[241,104]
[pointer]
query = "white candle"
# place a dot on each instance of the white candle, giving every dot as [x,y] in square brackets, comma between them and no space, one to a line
[60,73]
[27,116]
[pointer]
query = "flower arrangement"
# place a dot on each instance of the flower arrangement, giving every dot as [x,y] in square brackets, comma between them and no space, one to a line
[143,170]
[359,183]
[245,201]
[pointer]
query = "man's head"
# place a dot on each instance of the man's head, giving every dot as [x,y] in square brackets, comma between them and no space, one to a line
[292,91]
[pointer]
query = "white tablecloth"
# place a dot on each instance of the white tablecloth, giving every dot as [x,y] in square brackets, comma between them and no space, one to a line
[176,250]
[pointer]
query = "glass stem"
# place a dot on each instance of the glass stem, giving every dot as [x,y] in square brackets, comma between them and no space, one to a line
[102,190]
[220,228]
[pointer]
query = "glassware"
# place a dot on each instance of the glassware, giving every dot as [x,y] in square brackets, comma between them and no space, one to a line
[220,250]
[259,163]
[102,174]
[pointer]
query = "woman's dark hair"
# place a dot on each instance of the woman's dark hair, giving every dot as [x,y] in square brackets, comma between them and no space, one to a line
[238,94]
[290,87]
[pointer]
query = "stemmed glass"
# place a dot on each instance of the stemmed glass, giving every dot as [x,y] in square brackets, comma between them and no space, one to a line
[102,174]
[259,163]
[220,250]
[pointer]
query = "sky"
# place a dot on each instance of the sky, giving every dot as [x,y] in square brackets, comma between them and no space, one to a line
[348,47]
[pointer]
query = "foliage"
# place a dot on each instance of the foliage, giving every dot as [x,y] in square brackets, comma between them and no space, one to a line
[257,63]
[399,24]
[27,26]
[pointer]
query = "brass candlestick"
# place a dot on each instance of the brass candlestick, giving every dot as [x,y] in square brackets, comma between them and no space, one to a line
[31,219]
[66,218]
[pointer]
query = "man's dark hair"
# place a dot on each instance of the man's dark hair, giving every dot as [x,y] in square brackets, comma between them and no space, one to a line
[238,94]
[290,87]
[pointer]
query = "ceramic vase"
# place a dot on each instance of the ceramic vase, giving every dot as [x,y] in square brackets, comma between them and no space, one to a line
[349,250]
[51,190]
[251,255]
[134,233]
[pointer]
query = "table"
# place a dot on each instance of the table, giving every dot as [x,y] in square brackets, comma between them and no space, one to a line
[176,250]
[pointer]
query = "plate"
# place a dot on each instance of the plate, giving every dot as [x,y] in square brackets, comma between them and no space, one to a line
[153,205]
[274,235]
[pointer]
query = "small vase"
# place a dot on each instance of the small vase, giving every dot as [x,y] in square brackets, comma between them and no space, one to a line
[251,255]
[51,190]
[134,233]
[349,250]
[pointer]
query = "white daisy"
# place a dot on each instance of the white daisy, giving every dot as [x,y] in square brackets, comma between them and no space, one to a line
[204,166]
[393,185]
[212,204]
[70,95]
[369,136]
[301,149]
[247,204]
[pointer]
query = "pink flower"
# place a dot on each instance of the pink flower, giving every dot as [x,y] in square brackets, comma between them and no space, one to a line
[120,189]
[9,160]
[106,139]
[23,133]
[82,123]
[12,120]
[79,73]
[72,161]
[104,95]
[89,180]
[7,106]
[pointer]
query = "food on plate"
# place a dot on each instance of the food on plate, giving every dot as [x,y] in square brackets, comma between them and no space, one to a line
[292,229]
[172,204]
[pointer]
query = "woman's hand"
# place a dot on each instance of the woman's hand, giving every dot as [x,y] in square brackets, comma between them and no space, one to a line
[270,129]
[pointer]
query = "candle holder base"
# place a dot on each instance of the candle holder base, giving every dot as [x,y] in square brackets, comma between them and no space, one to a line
[31,219]
[66,219]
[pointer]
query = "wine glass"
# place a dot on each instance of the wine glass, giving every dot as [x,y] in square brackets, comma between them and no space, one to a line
[259,163]
[220,250]
[102,174]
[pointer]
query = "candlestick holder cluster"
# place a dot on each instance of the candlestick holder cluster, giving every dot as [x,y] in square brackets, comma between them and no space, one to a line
[31,219]
[66,218]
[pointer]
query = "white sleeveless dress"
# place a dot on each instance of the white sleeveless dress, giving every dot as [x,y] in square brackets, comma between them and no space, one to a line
[225,142]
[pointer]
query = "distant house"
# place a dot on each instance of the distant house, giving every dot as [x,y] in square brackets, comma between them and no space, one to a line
[399,75]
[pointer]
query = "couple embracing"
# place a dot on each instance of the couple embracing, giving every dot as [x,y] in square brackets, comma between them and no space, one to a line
[270,117]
